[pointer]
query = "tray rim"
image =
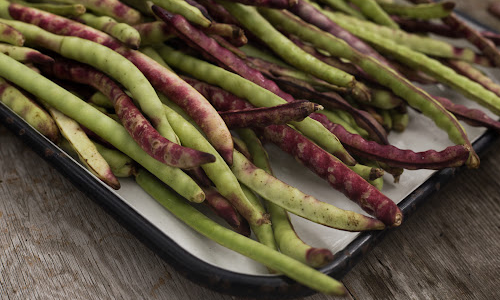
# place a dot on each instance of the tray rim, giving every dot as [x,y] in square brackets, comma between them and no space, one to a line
[204,273]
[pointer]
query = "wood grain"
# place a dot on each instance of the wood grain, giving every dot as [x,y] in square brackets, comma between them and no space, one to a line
[55,243]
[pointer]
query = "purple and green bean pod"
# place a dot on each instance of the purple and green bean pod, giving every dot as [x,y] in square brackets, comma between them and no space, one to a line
[97,122]
[28,109]
[414,96]
[25,55]
[111,8]
[10,36]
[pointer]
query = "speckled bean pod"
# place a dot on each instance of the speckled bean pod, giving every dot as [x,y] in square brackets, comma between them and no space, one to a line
[421,11]
[373,11]
[25,55]
[181,7]
[121,31]
[111,8]
[132,119]
[99,123]
[257,95]
[10,36]
[414,96]
[29,110]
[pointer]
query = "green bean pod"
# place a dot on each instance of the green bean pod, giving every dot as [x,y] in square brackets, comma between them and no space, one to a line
[10,35]
[25,55]
[421,11]
[234,241]
[256,95]
[99,123]
[218,171]
[285,236]
[335,118]
[416,42]
[69,10]
[415,96]
[112,8]
[341,5]
[154,32]
[29,110]
[286,49]
[180,7]
[373,11]
[101,100]
[121,31]
[121,164]
[108,61]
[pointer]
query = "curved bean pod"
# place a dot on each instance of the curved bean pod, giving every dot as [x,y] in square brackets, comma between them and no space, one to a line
[10,36]
[254,22]
[341,5]
[29,110]
[132,119]
[160,77]
[474,74]
[219,172]
[107,61]
[453,156]
[99,123]
[287,239]
[296,202]
[417,43]
[191,13]
[373,11]
[25,55]
[70,10]
[257,95]
[265,116]
[112,8]
[473,117]
[86,150]
[121,31]
[312,15]
[420,11]
[121,164]
[237,242]
[415,96]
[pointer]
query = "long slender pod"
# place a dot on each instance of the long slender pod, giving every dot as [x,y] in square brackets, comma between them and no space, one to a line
[415,96]
[287,239]
[121,31]
[343,6]
[191,13]
[265,116]
[310,208]
[436,69]
[86,150]
[421,11]
[474,74]
[109,62]
[257,95]
[121,164]
[236,242]
[373,11]
[385,208]
[218,171]
[132,119]
[29,110]
[160,77]
[25,55]
[473,117]
[418,43]
[99,123]
[452,156]
[251,20]
[310,14]
[278,4]
[473,36]
[69,10]
[112,8]
[10,36]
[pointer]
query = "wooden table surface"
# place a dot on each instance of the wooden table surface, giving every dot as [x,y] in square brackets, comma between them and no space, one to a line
[55,243]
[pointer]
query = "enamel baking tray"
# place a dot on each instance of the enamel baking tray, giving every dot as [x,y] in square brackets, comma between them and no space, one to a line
[210,265]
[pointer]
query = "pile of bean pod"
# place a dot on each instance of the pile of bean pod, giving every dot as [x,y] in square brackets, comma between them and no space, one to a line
[183,95]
